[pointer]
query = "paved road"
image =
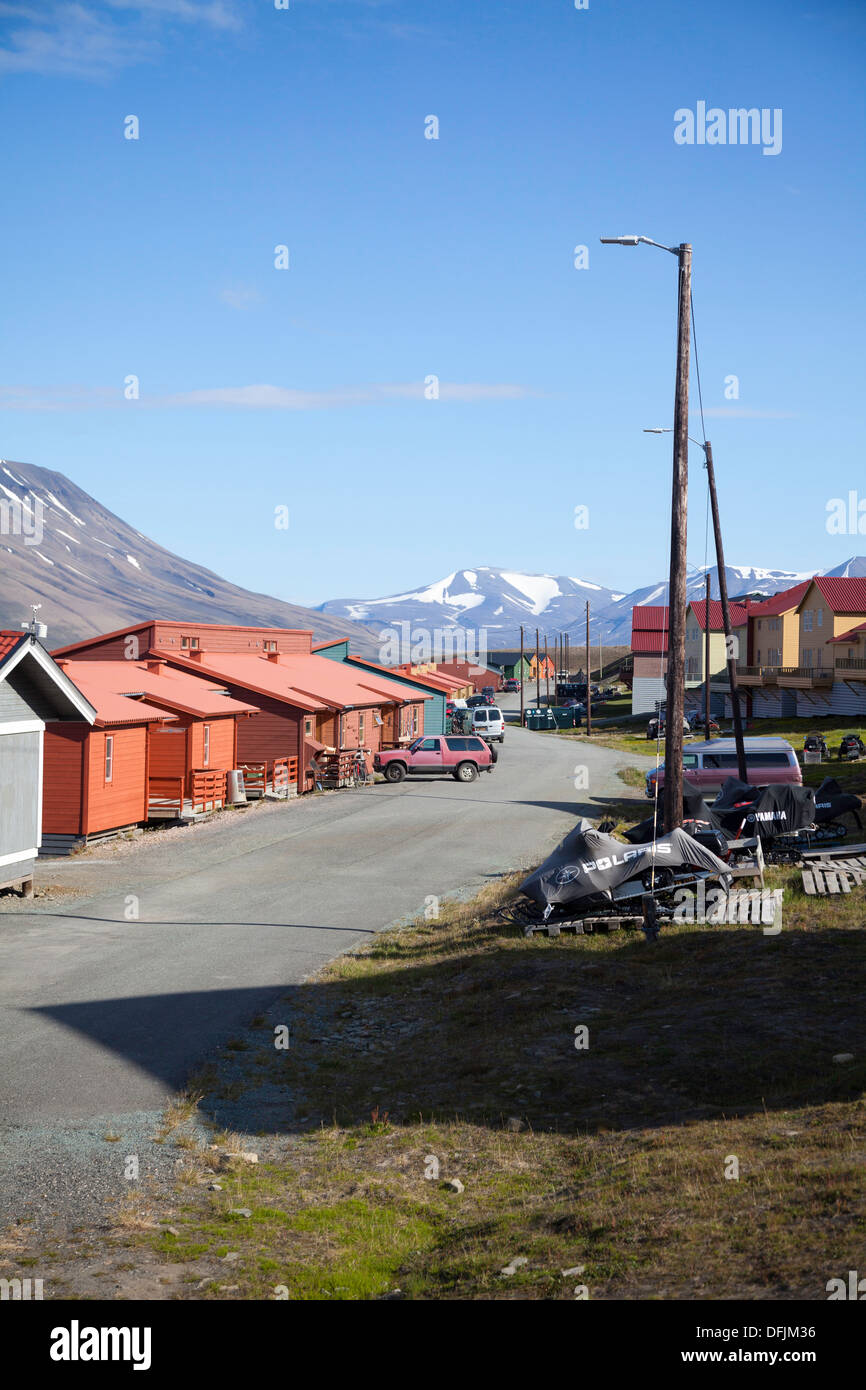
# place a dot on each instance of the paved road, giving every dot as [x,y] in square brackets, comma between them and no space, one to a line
[102,1014]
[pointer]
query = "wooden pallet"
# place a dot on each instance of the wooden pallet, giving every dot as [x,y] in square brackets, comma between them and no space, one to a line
[749,906]
[842,851]
[834,876]
[753,866]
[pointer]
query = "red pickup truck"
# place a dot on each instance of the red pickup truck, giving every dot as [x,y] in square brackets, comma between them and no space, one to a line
[461,756]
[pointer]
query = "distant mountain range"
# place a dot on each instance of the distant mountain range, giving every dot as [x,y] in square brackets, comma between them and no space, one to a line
[91,572]
[498,601]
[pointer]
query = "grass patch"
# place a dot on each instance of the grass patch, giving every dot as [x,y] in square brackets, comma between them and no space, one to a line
[447,1051]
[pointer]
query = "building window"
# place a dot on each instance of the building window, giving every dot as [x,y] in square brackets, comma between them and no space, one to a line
[820,612]
[189,642]
[807,620]
[109,756]
[361,728]
[308,728]
[206,732]
[270,646]
[807,656]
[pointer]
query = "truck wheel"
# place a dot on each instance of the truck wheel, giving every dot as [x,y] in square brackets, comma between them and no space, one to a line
[466,772]
[395,772]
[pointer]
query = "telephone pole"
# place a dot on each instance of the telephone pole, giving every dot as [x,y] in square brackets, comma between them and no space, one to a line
[707,664]
[673,788]
[547,671]
[522,676]
[676,675]
[588,695]
[726,617]
[537,673]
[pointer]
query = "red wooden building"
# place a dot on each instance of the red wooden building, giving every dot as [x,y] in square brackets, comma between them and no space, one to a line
[189,755]
[304,702]
[95,778]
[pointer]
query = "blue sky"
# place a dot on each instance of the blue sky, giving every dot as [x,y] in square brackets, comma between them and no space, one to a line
[412,257]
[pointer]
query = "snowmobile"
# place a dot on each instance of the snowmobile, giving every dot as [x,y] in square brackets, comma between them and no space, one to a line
[699,821]
[851,748]
[788,819]
[816,743]
[590,872]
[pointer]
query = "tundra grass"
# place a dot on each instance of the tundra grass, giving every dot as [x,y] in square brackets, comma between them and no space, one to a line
[704,1137]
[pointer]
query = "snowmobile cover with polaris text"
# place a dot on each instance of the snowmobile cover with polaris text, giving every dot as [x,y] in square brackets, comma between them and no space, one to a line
[587,863]
[764,811]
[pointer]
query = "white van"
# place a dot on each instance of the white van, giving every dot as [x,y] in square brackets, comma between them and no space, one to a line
[487,721]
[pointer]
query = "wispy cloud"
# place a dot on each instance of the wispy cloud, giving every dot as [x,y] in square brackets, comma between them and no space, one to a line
[240,296]
[222,14]
[257,397]
[93,41]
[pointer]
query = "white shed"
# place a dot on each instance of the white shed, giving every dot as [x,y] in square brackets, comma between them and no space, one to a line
[33,689]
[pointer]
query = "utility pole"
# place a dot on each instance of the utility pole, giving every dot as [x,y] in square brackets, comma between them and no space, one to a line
[707,664]
[547,671]
[726,617]
[537,673]
[676,674]
[588,695]
[522,676]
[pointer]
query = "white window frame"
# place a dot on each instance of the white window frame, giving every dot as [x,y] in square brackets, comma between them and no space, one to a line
[206,745]
[109,759]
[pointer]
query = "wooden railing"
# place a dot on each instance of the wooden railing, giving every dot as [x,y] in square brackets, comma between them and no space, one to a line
[850,663]
[255,778]
[207,789]
[165,793]
[280,774]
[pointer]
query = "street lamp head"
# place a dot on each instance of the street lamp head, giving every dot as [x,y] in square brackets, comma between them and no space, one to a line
[620,240]
[657,429]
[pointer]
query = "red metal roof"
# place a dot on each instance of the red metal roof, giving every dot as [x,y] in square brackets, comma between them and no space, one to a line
[644,642]
[779,603]
[8,642]
[308,682]
[646,616]
[738,612]
[842,595]
[851,633]
[168,688]
[110,707]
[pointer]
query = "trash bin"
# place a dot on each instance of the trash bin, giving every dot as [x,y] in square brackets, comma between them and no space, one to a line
[236,793]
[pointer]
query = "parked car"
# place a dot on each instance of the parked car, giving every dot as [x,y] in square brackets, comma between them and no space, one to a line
[708,765]
[512,685]
[475,700]
[489,723]
[851,748]
[489,690]
[463,757]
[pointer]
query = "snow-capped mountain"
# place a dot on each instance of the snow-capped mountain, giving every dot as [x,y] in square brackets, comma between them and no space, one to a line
[91,572]
[498,601]
[493,599]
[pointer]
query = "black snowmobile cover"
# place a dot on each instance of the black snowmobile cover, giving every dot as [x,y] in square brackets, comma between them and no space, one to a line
[831,801]
[697,816]
[764,811]
[588,862]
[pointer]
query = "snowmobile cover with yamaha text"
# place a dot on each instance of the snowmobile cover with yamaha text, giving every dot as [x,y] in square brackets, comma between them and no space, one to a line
[764,811]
